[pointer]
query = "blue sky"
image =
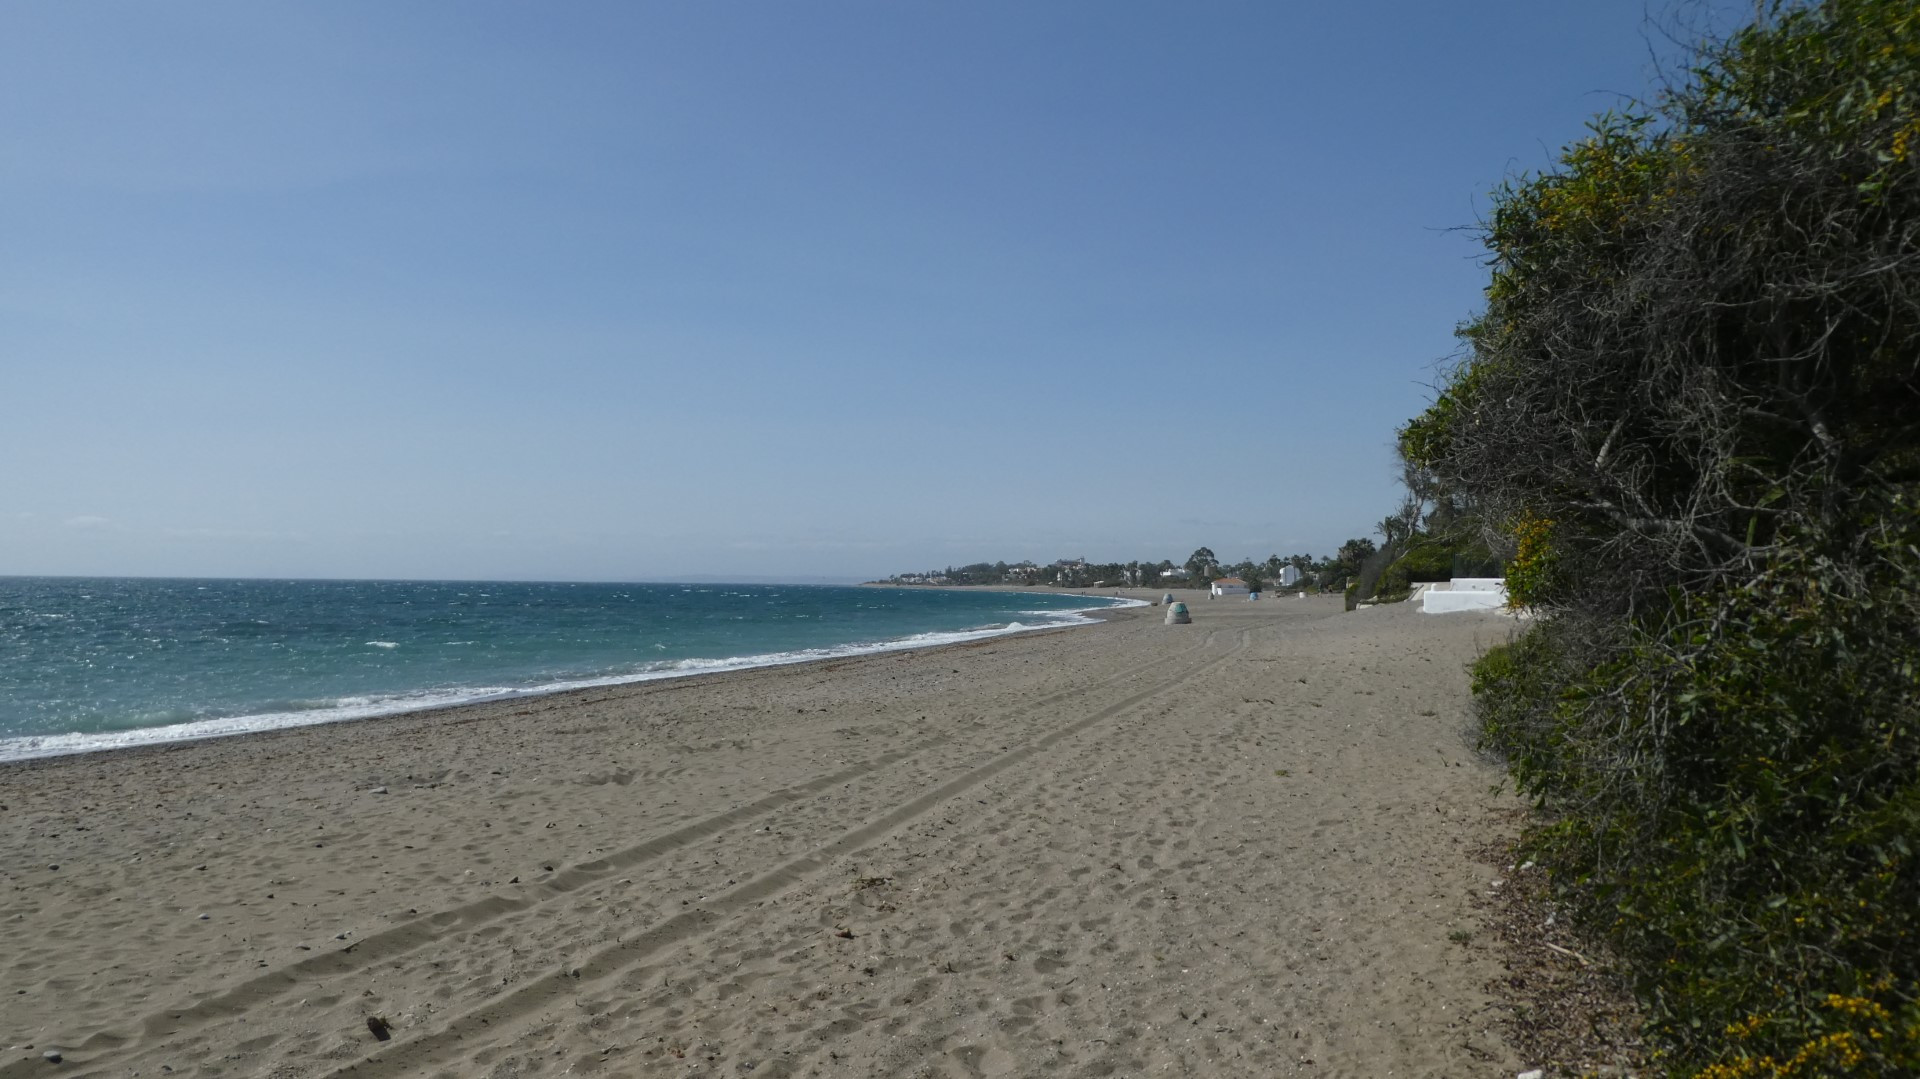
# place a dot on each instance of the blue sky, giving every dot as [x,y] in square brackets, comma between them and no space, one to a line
[646,290]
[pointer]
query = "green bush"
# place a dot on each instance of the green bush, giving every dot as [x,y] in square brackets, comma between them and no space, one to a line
[1692,398]
[1399,594]
[1534,575]
[1733,800]
[1428,559]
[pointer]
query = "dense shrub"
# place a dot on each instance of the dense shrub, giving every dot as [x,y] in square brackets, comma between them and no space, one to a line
[1425,559]
[1735,802]
[1703,328]
[1534,574]
[1690,418]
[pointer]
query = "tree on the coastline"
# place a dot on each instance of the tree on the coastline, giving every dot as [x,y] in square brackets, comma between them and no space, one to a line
[1689,417]
[1201,565]
[1394,529]
[1352,555]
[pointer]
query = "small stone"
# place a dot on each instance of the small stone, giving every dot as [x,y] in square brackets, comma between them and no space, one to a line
[51,1056]
[55,865]
[1537,1073]
[378,790]
[205,917]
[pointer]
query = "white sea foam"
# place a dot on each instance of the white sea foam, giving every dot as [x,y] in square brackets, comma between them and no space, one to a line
[349,708]
[383,644]
[1079,618]
[344,708]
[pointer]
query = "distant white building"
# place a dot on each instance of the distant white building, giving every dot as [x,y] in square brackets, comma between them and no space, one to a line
[1289,576]
[1230,586]
[1174,574]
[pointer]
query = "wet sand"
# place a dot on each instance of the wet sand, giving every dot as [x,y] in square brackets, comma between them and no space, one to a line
[1231,848]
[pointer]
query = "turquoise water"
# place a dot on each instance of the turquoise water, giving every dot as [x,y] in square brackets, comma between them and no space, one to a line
[94,663]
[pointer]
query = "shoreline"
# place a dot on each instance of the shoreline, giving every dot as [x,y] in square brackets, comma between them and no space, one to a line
[1233,847]
[239,726]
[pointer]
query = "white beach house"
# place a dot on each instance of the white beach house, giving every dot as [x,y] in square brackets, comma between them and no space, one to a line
[1230,586]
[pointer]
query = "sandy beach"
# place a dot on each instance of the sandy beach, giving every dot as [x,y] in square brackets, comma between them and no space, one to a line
[1234,848]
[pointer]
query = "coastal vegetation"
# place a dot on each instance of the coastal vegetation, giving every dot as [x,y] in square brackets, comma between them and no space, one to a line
[1327,572]
[1688,421]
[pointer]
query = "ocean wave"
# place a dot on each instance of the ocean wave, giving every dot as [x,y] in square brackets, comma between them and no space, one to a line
[1079,617]
[298,714]
[309,713]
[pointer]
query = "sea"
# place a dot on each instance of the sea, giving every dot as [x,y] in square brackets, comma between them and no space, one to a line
[102,663]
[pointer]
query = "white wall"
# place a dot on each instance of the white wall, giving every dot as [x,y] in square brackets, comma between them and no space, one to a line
[1464,594]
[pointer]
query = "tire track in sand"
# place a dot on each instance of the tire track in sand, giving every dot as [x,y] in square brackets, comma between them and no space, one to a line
[422,932]
[426,1050]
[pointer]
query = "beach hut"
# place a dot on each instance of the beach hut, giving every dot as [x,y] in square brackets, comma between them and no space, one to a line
[1230,586]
